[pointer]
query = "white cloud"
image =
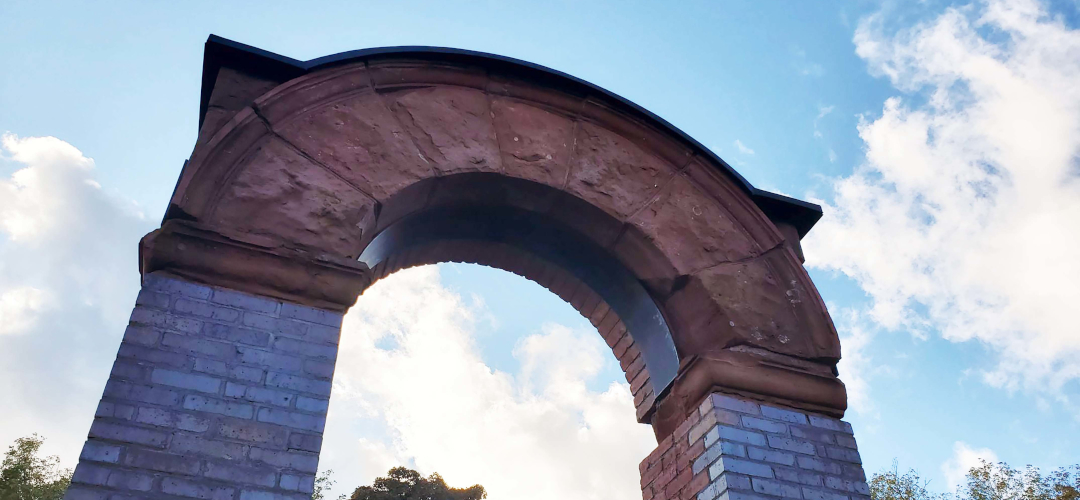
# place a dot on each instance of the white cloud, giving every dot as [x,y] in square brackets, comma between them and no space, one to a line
[856,367]
[68,279]
[410,367]
[963,218]
[742,148]
[964,458]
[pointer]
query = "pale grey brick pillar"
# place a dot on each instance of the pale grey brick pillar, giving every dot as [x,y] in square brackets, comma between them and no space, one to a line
[215,394]
[734,448]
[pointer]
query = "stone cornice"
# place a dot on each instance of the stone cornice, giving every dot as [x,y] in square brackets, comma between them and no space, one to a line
[197,253]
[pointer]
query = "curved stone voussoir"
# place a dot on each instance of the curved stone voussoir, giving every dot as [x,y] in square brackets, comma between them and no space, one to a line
[283,195]
[613,173]
[451,126]
[536,144]
[750,302]
[693,229]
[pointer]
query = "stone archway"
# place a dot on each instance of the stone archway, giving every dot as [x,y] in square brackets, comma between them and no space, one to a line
[310,180]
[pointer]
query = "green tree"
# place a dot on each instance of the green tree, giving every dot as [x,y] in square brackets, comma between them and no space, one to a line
[891,485]
[998,481]
[406,484]
[26,476]
[988,481]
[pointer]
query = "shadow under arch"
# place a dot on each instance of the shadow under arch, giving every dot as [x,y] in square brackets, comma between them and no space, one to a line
[502,222]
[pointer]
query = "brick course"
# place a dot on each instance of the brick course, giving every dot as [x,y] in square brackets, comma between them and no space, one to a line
[215,394]
[734,448]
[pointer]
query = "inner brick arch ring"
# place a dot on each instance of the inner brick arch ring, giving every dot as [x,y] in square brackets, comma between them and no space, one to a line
[310,180]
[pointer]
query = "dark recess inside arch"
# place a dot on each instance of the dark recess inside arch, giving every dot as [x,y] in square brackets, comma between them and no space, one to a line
[495,219]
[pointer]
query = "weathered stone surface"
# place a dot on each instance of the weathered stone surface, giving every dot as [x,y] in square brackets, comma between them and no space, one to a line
[451,126]
[536,143]
[692,229]
[612,173]
[285,196]
[361,140]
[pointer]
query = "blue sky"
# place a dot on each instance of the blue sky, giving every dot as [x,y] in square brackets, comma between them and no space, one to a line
[941,138]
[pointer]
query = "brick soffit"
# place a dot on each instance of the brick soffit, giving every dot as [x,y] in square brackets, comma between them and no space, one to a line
[221,52]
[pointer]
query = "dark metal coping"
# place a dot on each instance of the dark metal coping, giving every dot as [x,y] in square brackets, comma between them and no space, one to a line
[257,62]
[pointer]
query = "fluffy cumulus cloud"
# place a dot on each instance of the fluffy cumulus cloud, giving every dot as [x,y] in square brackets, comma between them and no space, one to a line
[410,369]
[964,219]
[68,278]
[964,458]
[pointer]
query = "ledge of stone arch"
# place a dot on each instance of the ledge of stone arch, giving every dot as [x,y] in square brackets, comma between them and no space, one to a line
[747,372]
[253,265]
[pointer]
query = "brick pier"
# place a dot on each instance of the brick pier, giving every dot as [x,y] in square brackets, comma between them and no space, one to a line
[737,449]
[215,395]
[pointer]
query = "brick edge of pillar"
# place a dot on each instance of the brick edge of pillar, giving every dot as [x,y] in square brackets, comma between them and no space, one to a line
[215,394]
[736,448]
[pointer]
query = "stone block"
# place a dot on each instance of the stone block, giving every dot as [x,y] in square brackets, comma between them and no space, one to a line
[245,302]
[151,355]
[253,432]
[844,454]
[142,335]
[311,315]
[160,283]
[818,494]
[323,334]
[305,442]
[183,324]
[131,481]
[797,476]
[239,334]
[312,404]
[296,460]
[789,416]
[247,373]
[194,445]
[192,381]
[320,369]
[735,404]
[260,395]
[265,359]
[302,483]
[789,444]
[210,405]
[739,466]
[128,434]
[291,419]
[211,366]
[776,488]
[253,476]
[271,495]
[297,383]
[776,457]
[205,347]
[192,489]
[305,349]
[161,461]
[831,424]
[766,425]
[87,473]
[96,451]
[741,435]
[153,299]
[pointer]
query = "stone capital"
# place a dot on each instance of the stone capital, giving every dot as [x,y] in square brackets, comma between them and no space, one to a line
[752,373]
[205,255]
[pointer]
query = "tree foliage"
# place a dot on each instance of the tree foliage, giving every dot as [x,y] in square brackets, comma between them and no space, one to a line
[406,484]
[988,481]
[26,476]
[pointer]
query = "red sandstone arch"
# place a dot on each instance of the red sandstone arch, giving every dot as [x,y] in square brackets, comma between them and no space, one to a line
[300,166]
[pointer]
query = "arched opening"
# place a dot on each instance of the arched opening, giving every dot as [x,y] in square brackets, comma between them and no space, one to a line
[510,388]
[539,233]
